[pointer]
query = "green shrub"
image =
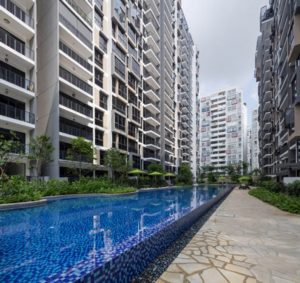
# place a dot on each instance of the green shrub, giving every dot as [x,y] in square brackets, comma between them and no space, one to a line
[272,186]
[293,189]
[17,189]
[245,180]
[282,201]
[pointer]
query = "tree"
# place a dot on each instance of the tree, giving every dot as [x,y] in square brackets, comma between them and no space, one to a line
[40,150]
[245,167]
[81,151]
[7,147]
[155,168]
[114,160]
[185,175]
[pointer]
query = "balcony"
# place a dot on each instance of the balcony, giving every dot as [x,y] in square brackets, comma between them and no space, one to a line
[12,115]
[86,16]
[71,35]
[151,131]
[151,119]
[152,69]
[151,106]
[71,61]
[151,94]
[151,156]
[74,129]
[75,82]
[294,39]
[65,155]
[16,84]
[154,45]
[267,106]
[14,19]
[16,49]
[149,53]
[152,31]
[297,7]
[151,82]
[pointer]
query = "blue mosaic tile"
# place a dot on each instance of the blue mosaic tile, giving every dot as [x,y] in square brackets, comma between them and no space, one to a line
[98,239]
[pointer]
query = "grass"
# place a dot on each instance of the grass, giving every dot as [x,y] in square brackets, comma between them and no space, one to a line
[282,201]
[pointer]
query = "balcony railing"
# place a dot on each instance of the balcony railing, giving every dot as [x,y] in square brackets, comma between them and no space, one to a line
[16,113]
[16,79]
[151,155]
[151,128]
[75,31]
[84,15]
[67,50]
[75,131]
[15,44]
[76,106]
[17,12]
[65,155]
[63,73]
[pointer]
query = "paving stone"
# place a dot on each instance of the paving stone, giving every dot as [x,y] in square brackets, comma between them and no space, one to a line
[232,277]
[212,275]
[191,268]
[241,263]
[217,263]
[174,268]
[251,280]
[184,260]
[195,278]
[171,277]
[238,269]
[239,258]
[223,258]
[201,259]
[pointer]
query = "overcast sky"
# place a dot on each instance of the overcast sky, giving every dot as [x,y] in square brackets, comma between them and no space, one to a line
[225,32]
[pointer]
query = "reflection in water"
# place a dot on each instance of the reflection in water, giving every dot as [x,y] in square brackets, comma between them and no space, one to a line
[46,240]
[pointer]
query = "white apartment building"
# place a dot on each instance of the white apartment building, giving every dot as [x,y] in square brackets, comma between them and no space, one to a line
[254,144]
[116,72]
[223,129]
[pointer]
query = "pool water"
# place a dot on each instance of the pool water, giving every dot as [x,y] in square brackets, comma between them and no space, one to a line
[79,234]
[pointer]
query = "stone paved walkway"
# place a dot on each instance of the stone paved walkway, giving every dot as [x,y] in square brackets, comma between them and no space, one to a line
[245,241]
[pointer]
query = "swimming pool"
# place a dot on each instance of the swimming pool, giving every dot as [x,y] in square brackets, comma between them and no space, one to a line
[67,239]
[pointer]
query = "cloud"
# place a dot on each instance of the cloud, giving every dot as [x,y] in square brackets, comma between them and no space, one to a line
[226,34]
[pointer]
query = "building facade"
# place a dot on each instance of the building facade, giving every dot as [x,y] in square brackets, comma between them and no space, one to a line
[277,71]
[223,129]
[114,72]
[253,143]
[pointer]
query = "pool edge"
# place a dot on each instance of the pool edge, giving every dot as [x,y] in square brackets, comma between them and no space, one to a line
[125,267]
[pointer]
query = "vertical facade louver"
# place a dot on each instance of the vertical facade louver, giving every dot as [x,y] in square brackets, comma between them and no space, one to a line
[277,71]
[104,70]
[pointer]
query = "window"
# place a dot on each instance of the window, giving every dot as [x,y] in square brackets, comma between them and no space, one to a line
[132,98]
[122,142]
[135,114]
[99,137]
[98,58]
[98,78]
[132,129]
[119,105]
[120,68]
[98,19]
[103,100]
[99,118]
[119,122]
[122,90]
[102,155]
[131,81]
[102,43]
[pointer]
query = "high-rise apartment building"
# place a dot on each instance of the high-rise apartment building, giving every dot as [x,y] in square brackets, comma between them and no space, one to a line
[253,143]
[223,129]
[116,72]
[277,71]
[18,76]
